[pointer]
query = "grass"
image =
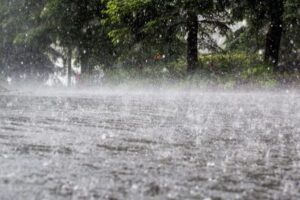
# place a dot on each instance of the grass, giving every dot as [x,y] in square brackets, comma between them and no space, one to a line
[231,70]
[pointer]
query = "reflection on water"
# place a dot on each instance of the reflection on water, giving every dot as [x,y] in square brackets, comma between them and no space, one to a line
[150,146]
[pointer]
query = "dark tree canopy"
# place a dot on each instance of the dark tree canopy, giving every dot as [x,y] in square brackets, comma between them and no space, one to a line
[105,33]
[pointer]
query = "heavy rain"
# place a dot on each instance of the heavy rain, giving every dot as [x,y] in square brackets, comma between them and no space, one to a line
[149,99]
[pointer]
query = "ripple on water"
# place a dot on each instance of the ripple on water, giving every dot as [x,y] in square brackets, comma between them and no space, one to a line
[192,146]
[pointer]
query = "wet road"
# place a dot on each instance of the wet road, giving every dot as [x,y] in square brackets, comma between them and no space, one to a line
[198,145]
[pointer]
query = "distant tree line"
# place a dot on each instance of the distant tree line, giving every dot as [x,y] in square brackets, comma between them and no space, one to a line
[33,33]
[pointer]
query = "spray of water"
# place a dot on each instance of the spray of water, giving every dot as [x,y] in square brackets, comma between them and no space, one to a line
[149,144]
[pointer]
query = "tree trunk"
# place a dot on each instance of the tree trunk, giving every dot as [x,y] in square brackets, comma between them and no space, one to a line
[69,65]
[274,35]
[84,60]
[85,69]
[169,48]
[192,42]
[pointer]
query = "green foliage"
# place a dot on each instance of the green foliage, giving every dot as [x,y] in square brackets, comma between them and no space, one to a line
[154,73]
[124,36]
[227,70]
[156,26]
[259,15]
[21,52]
[238,65]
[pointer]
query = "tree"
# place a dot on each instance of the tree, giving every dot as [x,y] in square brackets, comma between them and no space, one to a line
[20,55]
[275,12]
[135,21]
[265,18]
[290,38]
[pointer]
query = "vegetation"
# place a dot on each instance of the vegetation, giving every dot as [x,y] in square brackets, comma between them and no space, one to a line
[151,40]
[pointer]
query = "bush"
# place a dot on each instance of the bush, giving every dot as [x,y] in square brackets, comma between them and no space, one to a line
[154,72]
[235,68]
[226,70]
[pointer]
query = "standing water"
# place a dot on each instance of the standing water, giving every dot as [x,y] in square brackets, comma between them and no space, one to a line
[146,145]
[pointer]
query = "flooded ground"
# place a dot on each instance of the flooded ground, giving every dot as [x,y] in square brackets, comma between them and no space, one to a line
[169,145]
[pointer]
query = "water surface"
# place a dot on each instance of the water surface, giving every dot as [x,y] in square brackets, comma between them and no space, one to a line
[147,145]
